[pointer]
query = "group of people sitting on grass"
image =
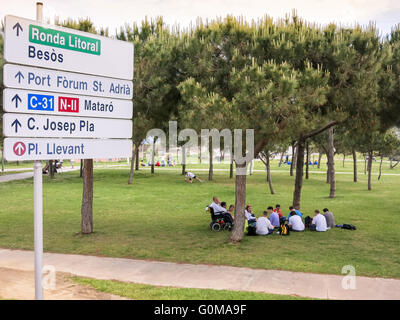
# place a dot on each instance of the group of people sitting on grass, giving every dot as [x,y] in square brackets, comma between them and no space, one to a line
[273,219]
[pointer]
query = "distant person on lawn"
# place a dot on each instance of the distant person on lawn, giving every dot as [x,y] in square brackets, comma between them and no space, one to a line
[219,208]
[231,210]
[278,210]
[216,205]
[273,217]
[291,208]
[330,219]
[264,226]
[190,176]
[249,214]
[318,223]
[295,222]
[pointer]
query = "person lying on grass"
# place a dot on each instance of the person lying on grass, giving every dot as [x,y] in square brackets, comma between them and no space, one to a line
[190,176]
[295,222]
[318,223]
[264,226]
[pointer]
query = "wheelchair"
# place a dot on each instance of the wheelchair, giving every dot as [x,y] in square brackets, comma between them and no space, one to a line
[218,221]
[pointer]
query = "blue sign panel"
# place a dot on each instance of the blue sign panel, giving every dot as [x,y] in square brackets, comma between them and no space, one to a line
[40,102]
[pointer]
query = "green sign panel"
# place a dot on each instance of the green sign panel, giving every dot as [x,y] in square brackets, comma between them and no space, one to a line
[64,40]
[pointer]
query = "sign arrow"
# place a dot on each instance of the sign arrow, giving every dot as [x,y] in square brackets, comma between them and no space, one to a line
[16,99]
[19,75]
[19,148]
[18,26]
[16,123]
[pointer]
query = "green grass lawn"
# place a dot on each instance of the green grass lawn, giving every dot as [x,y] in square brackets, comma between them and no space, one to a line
[160,217]
[146,292]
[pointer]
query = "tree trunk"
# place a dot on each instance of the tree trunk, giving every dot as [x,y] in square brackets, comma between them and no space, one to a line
[132,166]
[319,160]
[355,175]
[292,166]
[307,160]
[210,169]
[380,168]
[281,159]
[344,158]
[271,188]
[331,164]
[152,156]
[200,154]
[240,200]
[369,170]
[327,169]
[183,160]
[51,169]
[251,168]
[81,169]
[365,164]
[299,173]
[137,157]
[87,197]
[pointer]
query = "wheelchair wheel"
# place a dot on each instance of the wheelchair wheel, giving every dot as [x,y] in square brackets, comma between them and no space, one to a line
[215,227]
[228,226]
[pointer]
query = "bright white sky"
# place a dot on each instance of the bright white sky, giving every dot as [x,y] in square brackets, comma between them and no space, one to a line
[115,13]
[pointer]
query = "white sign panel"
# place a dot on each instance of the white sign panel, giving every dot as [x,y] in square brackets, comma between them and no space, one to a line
[33,43]
[20,149]
[25,125]
[22,77]
[50,103]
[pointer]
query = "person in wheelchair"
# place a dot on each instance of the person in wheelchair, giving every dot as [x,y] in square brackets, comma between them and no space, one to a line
[218,209]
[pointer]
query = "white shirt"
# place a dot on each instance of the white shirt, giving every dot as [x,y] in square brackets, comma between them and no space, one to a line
[296,223]
[263,226]
[320,221]
[190,175]
[248,215]
[217,208]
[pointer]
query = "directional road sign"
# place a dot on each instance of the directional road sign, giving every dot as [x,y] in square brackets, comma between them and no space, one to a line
[33,43]
[26,125]
[50,103]
[16,76]
[20,149]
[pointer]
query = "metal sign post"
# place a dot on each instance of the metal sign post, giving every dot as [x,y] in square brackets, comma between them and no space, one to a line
[38,206]
[81,112]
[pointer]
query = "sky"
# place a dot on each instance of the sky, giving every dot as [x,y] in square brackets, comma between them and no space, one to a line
[115,13]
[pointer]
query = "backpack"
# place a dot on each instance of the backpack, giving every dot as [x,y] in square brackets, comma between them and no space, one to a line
[307,222]
[284,229]
[251,230]
[349,227]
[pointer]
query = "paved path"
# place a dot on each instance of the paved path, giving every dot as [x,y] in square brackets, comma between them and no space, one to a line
[17,284]
[26,175]
[206,276]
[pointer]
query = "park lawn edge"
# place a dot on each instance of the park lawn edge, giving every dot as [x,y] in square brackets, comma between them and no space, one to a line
[161,292]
